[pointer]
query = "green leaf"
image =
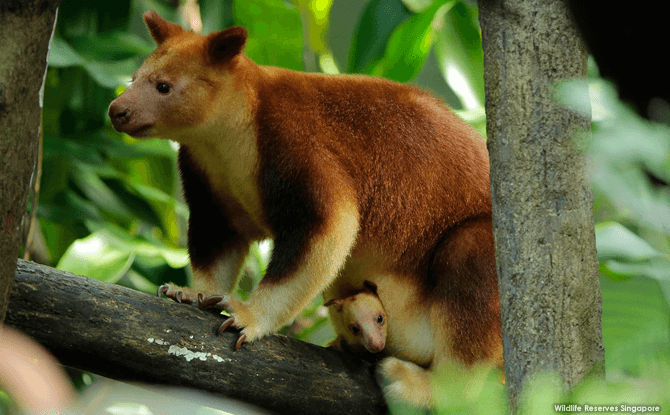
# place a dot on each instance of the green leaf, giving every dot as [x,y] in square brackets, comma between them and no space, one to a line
[55,177]
[275,32]
[635,318]
[60,147]
[120,145]
[624,147]
[417,6]
[458,49]
[93,16]
[108,74]
[95,258]
[614,241]
[58,237]
[216,15]
[157,195]
[97,191]
[375,26]
[155,254]
[68,208]
[140,282]
[111,74]
[110,46]
[476,118]
[61,54]
[410,45]
[656,268]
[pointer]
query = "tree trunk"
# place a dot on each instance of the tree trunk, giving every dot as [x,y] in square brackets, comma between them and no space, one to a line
[128,335]
[542,202]
[25,32]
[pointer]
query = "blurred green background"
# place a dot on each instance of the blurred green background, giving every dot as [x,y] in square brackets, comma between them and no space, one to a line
[111,207]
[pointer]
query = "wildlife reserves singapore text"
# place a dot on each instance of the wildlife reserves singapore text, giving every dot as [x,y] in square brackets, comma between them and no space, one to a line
[623,408]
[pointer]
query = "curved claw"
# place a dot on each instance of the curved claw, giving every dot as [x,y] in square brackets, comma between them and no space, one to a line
[178,296]
[210,301]
[199,299]
[163,289]
[240,341]
[229,321]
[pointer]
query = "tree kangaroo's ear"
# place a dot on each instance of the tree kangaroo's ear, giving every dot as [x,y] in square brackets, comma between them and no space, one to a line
[160,29]
[226,44]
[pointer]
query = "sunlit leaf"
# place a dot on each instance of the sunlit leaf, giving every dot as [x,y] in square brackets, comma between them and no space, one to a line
[316,13]
[476,118]
[95,258]
[458,49]
[656,268]
[615,241]
[417,6]
[151,193]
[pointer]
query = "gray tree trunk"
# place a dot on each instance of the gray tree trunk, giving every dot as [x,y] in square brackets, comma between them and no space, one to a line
[542,202]
[25,32]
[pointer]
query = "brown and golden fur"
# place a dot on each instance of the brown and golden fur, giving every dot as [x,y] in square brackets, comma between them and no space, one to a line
[355,178]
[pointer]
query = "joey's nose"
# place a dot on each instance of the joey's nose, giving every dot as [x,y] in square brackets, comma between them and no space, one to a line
[376,346]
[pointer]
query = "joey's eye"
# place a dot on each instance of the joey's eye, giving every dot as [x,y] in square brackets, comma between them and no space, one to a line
[163,88]
[355,329]
[380,319]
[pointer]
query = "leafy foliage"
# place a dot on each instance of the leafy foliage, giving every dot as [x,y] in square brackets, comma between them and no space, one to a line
[111,207]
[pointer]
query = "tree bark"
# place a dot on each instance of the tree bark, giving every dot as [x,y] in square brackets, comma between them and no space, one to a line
[542,202]
[128,335]
[25,33]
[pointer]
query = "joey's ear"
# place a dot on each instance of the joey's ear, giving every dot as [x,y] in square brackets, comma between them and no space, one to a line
[226,44]
[370,286]
[337,302]
[160,28]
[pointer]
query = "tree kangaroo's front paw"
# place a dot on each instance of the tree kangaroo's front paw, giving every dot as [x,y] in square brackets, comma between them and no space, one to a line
[405,381]
[179,294]
[241,317]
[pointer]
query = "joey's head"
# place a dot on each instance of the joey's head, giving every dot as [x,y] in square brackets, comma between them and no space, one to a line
[360,319]
[188,83]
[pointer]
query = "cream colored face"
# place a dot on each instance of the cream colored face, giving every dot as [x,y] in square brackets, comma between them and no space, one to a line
[361,320]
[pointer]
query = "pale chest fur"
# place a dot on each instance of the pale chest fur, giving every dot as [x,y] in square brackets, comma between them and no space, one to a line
[230,163]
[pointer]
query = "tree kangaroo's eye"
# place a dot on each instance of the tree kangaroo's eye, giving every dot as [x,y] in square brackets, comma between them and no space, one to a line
[163,88]
[380,319]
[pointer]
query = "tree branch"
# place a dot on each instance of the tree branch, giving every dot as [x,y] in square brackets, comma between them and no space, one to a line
[128,335]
